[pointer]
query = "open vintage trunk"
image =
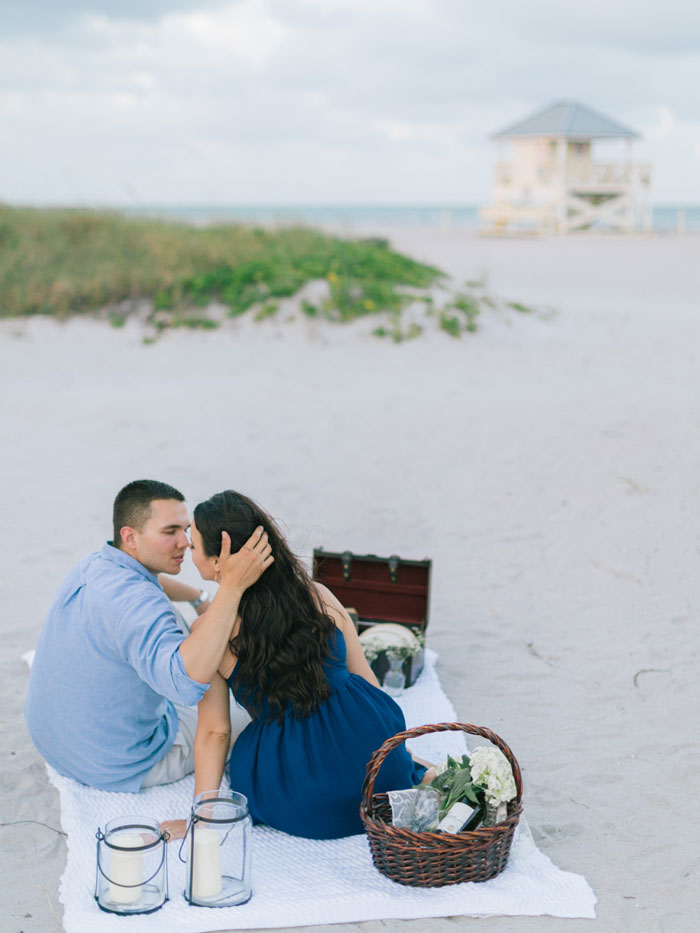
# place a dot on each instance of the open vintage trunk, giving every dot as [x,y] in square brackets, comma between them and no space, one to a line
[380,589]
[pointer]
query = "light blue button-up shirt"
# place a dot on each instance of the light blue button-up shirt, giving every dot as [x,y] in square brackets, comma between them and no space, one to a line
[106,673]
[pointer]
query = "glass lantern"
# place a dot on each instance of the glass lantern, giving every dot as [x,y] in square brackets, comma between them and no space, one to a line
[394,679]
[132,866]
[217,850]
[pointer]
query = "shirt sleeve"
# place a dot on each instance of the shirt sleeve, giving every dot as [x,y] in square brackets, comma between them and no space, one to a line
[149,638]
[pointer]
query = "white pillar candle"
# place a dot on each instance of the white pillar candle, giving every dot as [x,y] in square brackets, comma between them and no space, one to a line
[125,868]
[206,874]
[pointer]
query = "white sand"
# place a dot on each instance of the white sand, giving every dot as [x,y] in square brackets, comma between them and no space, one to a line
[549,468]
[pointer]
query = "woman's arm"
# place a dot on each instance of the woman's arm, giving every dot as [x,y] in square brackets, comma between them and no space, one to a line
[211,743]
[213,736]
[356,660]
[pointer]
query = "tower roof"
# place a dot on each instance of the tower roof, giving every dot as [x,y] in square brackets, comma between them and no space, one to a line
[568,119]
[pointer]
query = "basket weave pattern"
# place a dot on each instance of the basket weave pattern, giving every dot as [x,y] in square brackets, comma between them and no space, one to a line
[436,859]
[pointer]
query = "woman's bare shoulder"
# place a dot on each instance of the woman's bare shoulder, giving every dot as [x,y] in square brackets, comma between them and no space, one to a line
[322,591]
[325,596]
[329,603]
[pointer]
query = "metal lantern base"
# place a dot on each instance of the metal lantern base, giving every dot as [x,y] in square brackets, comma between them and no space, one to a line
[233,892]
[151,900]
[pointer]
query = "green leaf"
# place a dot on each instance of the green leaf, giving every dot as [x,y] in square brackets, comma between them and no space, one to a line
[461,779]
[471,794]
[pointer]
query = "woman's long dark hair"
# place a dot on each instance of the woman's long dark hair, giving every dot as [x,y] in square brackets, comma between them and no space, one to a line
[283,636]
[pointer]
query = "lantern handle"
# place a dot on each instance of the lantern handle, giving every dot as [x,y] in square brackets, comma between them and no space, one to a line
[99,835]
[194,819]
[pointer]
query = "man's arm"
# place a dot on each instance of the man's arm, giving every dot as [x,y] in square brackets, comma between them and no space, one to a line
[203,649]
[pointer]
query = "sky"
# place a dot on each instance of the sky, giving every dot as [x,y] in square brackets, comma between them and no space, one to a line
[235,102]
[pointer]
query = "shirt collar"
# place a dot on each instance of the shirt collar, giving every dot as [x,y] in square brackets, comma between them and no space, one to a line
[116,556]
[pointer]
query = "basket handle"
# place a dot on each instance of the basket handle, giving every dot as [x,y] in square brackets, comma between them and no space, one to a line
[378,757]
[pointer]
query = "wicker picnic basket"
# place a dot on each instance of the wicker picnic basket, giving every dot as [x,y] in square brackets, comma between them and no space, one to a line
[435,859]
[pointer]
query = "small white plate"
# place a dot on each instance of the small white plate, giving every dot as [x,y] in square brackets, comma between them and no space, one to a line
[389,633]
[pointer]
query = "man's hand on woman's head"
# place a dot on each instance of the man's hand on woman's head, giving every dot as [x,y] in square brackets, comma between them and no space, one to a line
[245,567]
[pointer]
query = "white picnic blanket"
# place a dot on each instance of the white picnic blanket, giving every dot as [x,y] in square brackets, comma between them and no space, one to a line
[299,882]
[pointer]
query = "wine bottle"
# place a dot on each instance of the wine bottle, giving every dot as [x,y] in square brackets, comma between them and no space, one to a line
[460,818]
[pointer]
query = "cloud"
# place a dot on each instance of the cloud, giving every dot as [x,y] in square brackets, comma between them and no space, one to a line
[623,25]
[39,17]
[325,100]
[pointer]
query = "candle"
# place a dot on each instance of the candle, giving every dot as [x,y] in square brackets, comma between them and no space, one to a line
[125,868]
[206,874]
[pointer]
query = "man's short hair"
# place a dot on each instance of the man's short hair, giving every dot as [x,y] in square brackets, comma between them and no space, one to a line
[132,506]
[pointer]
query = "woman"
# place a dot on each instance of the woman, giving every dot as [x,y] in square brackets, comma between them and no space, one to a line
[296,664]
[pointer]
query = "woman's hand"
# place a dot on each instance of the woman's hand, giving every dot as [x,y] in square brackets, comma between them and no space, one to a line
[203,650]
[175,829]
[245,567]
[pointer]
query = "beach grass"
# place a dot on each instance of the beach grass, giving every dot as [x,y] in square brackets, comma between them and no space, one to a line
[64,262]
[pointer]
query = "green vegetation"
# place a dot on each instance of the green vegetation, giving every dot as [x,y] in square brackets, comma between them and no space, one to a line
[517,306]
[203,323]
[469,306]
[62,262]
[397,333]
[269,309]
[66,262]
[450,323]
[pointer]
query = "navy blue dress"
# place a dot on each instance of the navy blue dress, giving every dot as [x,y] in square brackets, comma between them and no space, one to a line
[304,776]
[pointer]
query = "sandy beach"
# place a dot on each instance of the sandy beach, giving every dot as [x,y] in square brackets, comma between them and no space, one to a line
[548,465]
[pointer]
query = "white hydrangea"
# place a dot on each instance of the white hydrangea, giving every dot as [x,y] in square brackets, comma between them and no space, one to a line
[372,648]
[491,769]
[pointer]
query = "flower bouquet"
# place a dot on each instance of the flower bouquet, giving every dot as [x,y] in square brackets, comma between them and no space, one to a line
[484,779]
[396,664]
[373,646]
[463,794]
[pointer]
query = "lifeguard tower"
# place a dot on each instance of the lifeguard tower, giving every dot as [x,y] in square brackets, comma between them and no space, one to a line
[551,184]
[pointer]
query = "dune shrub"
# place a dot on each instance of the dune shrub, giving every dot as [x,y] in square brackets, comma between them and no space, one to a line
[63,262]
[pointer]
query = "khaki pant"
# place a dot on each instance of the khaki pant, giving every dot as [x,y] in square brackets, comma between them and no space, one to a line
[178,761]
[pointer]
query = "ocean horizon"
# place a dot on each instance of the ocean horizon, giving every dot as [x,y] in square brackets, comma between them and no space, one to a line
[665,218]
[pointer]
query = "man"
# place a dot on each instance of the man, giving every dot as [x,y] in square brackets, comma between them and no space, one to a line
[114,677]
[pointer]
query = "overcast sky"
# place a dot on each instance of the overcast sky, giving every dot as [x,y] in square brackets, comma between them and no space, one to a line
[325,101]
